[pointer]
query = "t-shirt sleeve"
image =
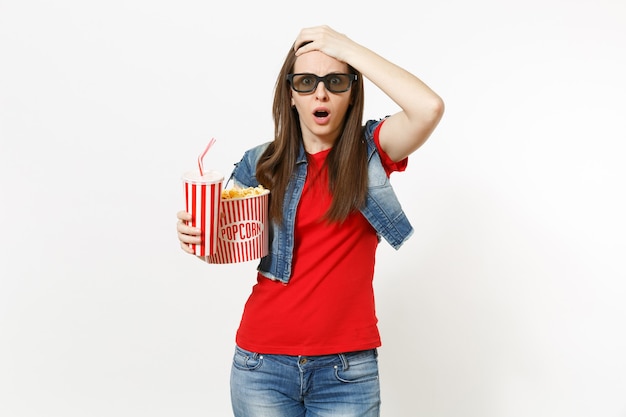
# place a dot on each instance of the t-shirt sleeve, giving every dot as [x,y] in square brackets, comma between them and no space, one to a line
[389,165]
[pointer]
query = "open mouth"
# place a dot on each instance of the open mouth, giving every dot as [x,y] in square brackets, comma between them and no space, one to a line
[321,114]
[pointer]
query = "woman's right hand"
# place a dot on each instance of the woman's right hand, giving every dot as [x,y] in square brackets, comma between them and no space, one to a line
[187,234]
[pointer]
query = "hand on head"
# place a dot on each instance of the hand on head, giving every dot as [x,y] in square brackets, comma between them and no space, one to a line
[323,39]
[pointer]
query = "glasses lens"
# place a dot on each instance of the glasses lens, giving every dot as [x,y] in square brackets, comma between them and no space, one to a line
[335,83]
[304,83]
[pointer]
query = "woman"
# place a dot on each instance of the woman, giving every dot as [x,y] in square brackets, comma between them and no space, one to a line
[308,338]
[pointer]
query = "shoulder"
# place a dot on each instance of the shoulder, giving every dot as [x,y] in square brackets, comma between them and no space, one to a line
[244,172]
[369,130]
[256,151]
[373,146]
[370,127]
[252,155]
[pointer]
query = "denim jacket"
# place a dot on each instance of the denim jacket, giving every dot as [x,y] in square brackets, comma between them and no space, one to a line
[382,208]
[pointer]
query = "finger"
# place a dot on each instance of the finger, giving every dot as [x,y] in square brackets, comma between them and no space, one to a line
[186,248]
[301,48]
[304,38]
[183,215]
[194,237]
[183,228]
[189,239]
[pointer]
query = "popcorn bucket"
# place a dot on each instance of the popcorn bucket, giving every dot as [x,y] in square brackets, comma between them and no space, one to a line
[243,234]
[202,199]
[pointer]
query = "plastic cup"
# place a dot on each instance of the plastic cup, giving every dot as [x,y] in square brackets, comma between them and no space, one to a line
[243,230]
[202,199]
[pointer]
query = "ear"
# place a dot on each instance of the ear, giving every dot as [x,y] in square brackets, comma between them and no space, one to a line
[293,103]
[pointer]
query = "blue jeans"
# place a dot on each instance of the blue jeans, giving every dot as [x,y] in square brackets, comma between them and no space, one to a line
[342,385]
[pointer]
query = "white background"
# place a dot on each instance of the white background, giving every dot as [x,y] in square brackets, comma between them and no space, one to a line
[508,301]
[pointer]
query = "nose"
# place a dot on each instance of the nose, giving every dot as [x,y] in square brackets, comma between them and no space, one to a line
[320,91]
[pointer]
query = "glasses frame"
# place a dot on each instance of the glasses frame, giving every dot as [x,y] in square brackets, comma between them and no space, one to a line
[351,77]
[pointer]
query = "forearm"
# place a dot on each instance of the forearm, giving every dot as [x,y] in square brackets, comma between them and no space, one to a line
[421,108]
[410,93]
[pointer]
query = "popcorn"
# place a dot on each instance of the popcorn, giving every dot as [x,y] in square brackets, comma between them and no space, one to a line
[243,192]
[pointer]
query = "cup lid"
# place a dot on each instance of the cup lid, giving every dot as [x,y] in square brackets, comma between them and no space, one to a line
[209,177]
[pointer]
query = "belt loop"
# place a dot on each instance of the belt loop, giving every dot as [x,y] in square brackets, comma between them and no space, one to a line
[344,361]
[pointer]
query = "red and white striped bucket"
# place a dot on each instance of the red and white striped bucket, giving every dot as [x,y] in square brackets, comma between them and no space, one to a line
[243,234]
[202,196]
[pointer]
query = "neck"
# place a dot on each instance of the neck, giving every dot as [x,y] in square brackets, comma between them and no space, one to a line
[317,144]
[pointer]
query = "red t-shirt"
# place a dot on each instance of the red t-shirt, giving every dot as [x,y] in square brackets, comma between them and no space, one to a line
[328,305]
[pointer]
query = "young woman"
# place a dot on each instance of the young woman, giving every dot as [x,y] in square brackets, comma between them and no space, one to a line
[308,338]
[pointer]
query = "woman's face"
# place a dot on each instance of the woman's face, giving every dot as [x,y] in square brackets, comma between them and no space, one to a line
[321,111]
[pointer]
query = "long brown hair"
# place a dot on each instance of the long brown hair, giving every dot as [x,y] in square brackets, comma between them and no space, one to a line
[347,160]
